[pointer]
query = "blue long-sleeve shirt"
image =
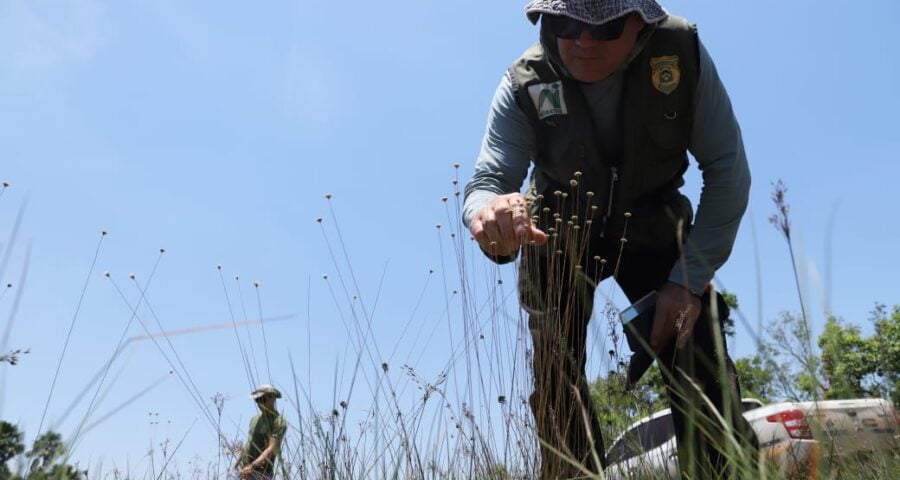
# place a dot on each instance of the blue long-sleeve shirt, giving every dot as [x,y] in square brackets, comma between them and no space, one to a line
[509,146]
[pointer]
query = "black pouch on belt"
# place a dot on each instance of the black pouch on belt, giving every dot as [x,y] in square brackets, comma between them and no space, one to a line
[637,322]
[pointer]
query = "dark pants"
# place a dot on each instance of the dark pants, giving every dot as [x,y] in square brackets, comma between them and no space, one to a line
[556,288]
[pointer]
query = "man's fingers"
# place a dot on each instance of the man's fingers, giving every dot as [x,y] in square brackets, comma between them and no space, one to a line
[687,327]
[506,228]
[525,230]
[661,329]
[479,233]
[537,235]
[504,225]
[488,234]
[521,221]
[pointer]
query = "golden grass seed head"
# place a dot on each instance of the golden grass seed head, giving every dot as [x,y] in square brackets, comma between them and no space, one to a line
[557,193]
[573,183]
[565,195]
[256,283]
[318,219]
[5,184]
[546,209]
[627,214]
[444,199]
[132,276]
[577,174]
[103,232]
[219,266]
[455,182]
[455,165]
[107,274]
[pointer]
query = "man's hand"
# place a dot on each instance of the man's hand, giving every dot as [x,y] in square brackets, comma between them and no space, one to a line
[503,226]
[677,310]
[247,471]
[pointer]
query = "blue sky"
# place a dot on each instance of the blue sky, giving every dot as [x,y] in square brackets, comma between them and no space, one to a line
[214,130]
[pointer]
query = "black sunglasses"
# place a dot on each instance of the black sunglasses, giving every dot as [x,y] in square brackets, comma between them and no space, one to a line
[570,29]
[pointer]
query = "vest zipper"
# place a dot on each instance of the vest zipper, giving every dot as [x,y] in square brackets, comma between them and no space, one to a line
[614,177]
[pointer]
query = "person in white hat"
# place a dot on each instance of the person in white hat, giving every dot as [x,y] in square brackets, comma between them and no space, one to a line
[606,107]
[267,429]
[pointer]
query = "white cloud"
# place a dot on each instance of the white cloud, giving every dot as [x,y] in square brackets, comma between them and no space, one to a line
[38,36]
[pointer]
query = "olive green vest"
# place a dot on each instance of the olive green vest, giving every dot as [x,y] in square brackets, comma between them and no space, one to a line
[657,116]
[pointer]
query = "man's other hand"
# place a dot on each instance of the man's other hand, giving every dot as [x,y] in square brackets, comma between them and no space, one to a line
[503,226]
[677,310]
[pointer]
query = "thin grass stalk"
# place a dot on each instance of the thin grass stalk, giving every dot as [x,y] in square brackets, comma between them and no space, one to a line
[251,381]
[69,332]
[252,355]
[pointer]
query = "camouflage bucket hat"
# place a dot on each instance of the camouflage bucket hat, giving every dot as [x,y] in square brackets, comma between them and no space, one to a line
[596,12]
[265,390]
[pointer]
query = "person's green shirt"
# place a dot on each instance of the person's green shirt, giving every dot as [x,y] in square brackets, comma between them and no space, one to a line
[263,427]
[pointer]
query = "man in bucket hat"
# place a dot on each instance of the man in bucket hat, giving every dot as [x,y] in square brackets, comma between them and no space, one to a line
[606,105]
[267,429]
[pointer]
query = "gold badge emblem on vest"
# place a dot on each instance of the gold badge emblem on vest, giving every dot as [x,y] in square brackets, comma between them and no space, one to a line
[665,73]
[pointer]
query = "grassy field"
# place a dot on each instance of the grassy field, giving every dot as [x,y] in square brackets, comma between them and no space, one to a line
[470,421]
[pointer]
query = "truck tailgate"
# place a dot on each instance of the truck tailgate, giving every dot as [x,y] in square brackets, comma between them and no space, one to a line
[849,426]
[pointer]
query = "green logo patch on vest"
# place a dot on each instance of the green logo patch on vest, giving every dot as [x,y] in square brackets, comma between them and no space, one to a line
[548,99]
[665,73]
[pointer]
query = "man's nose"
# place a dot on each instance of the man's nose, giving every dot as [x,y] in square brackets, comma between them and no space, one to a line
[586,39]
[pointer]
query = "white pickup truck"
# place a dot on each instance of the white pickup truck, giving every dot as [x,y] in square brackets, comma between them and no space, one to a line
[793,436]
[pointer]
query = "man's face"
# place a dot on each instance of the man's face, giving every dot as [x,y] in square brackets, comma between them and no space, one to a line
[590,60]
[267,402]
